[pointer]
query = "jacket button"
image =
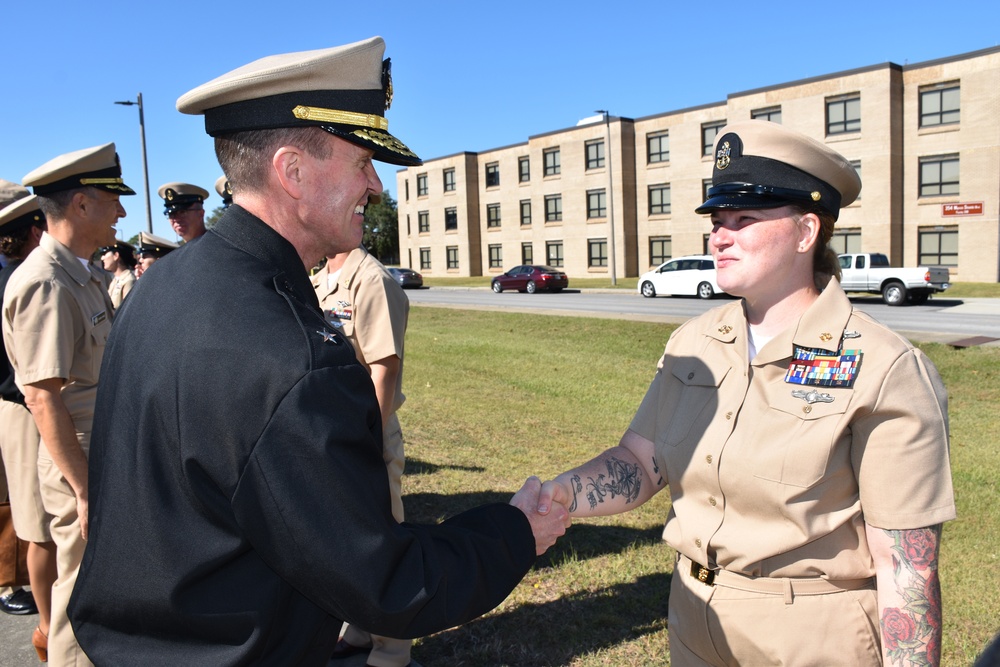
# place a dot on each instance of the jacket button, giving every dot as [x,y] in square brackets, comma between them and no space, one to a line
[712,501]
[708,459]
[729,415]
[691,375]
[697,542]
[807,409]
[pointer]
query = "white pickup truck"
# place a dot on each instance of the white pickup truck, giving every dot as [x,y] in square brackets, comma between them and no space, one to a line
[870,272]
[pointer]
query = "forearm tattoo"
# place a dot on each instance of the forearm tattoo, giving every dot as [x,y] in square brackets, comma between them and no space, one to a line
[623,479]
[912,634]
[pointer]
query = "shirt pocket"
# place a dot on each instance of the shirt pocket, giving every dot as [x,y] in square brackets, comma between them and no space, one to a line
[690,399]
[98,336]
[793,443]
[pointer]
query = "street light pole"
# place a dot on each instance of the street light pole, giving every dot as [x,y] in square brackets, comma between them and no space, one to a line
[145,168]
[611,196]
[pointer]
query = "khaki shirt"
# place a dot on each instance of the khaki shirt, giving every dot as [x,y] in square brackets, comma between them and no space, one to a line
[370,308]
[56,319]
[767,483]
[120,287]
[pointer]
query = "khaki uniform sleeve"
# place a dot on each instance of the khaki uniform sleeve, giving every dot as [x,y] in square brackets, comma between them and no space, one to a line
[380,319]
[42,332]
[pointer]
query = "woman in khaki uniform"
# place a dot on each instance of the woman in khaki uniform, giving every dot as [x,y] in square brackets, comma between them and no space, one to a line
[805,445]
[119,259]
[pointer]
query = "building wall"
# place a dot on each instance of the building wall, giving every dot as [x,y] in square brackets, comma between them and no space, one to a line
[890,216]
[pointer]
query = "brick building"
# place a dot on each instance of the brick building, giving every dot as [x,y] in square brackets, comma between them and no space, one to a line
[925,138]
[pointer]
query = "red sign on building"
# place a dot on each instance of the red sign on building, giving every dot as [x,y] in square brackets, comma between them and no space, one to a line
[962,208]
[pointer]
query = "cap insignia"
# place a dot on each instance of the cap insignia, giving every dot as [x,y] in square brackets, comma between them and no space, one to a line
[169,192]
[387,81]
[722,156]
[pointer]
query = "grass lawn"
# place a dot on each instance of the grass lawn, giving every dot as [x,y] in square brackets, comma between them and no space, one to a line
[494,397]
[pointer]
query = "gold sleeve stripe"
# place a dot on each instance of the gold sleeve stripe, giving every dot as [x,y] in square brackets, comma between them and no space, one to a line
[344,117]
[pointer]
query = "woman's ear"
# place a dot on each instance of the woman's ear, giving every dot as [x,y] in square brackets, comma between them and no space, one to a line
[809,230]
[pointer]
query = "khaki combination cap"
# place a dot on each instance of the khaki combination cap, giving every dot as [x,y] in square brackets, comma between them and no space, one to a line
[97,167]
[225,190]
[179,196]
[761,164]
[11,192]
[344,90]
[153,245]
[20,214]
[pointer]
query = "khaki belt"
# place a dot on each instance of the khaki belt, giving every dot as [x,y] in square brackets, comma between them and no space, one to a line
[787,587]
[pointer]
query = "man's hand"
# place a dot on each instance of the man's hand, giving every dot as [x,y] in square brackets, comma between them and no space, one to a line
[546,527]
[82,509]
[554,494]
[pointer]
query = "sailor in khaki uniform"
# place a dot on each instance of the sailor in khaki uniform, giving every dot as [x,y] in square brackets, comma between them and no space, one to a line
[119,260]
[225,190]
[362,299]
[56,319]
[184,205]
[151,248]
[805,445]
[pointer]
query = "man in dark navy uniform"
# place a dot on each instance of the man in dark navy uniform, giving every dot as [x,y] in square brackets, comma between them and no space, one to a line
[240,504]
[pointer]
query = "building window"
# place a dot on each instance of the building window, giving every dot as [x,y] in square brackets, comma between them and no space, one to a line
[597,206]
[595,154]
[706,246]
[552,164]
[406,186]
[939,247]
[492,175]
[939,105]
[843,114]
[492,215]
[421,185]
[452,255]
[705,185]
[449,180]
[597,253]
[846,240]
[772,114]
[450,219]
[709,131]
[496,256]
[423,222]
[525,212]
[659,199]
[527,254]
[425,259]
[523,170]
[939,176]
[857,167]
[659,250]
[554,253]
[553,208]
[658,147]
[408,233]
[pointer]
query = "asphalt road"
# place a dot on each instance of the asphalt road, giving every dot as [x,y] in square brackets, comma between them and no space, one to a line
[941,319]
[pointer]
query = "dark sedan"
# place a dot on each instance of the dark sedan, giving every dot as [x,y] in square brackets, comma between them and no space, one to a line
[407,277]
[530,279]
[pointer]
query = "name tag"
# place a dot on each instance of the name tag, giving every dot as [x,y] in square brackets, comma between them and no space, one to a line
[99,317]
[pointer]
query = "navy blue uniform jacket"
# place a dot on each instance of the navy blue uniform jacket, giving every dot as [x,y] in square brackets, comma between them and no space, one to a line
[239,504]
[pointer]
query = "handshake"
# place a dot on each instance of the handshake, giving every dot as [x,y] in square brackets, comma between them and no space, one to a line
[545,507]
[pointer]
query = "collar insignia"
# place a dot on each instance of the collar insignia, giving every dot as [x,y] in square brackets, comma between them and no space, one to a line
[329,337]
[724,329]
[825,337]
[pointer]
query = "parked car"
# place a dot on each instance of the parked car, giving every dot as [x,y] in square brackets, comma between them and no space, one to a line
[530,279]
[870,272]
[693,275]
[407,277]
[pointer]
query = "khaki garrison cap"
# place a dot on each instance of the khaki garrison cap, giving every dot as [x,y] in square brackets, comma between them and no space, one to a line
[180,196]
[344,90]
[97,167]
[20,214]
[225,191]
[11,192]
[155,246]
[760,164]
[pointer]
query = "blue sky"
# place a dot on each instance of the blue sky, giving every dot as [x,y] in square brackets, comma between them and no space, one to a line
[467,75]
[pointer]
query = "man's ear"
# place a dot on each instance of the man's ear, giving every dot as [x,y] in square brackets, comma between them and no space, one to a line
[288,164]
[80,203]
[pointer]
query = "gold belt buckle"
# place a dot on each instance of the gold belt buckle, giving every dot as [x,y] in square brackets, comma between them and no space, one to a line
[703,574]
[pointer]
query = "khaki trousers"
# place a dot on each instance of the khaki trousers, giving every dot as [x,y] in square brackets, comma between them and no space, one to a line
[386,651]
[60,501]
[19,446]
[727,627]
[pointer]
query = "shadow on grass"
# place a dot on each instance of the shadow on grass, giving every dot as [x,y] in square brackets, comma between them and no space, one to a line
[557,632]
[414,466]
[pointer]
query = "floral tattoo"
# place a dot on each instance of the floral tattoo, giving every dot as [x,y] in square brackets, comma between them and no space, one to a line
[912,634]
[623,479]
